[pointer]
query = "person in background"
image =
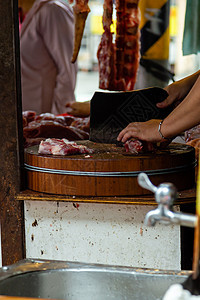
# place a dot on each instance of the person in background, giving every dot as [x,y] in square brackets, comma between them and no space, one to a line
[185,116]
[46,46]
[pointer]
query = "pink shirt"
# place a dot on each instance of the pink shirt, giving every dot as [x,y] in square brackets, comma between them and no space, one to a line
[46,45]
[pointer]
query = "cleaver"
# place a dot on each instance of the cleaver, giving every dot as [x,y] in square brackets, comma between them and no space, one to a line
[110,112]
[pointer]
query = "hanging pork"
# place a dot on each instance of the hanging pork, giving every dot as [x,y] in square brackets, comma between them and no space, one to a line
[119,61]
[81,10]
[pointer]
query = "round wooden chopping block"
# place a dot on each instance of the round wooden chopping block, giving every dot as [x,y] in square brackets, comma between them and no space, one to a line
[110,171]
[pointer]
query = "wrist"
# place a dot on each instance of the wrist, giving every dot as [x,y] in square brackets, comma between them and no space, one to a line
[161,133]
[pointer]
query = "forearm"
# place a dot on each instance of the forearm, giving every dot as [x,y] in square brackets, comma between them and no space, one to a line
[186,115]
[179,89]
[190,80]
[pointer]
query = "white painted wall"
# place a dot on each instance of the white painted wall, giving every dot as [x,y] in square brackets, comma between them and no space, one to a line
[99,233]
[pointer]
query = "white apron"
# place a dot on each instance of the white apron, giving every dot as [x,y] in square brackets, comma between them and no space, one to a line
[46,45]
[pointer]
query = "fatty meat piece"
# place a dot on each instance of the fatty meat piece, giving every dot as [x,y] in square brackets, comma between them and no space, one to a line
[133,146]
[46,125]
[137,146]
[193,133]
[46,146]
[81,148]
[63,120]
[62,147]
[29,115]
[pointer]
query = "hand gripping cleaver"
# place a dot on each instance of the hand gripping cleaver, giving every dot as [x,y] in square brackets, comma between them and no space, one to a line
[110,112]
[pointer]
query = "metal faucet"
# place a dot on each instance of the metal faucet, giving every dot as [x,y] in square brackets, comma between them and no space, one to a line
[165,195]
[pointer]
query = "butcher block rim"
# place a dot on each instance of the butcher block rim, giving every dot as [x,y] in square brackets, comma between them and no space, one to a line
[118,174]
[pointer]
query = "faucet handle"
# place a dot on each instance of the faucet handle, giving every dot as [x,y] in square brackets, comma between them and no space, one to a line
[165,193]
[144,182]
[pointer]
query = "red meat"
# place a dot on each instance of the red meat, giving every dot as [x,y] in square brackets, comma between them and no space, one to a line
[137,146]
[119,61]
[62,147]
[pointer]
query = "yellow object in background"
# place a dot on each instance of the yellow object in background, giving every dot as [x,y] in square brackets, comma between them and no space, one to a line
[173,21]
[97,26]
[154,27]
[198,191]
[149,8]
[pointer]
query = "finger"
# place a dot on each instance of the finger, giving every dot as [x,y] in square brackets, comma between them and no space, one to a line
[120,135]
[132,127]
[164,103]
[128,135]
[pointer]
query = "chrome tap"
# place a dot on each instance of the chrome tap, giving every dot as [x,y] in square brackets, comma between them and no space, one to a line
[165,195]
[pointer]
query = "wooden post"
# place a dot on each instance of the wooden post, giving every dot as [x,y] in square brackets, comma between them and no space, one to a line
[11,146]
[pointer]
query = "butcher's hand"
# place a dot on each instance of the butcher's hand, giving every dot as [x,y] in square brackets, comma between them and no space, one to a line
[78,109]
[145,131]
[178,90]
[174,97]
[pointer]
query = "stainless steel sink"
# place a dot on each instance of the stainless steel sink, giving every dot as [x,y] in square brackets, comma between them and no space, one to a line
[77,281]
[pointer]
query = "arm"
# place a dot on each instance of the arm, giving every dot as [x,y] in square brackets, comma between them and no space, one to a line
[185,116]
[178,90]
[79,109]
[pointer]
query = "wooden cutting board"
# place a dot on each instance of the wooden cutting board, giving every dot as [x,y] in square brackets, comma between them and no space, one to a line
[110,171]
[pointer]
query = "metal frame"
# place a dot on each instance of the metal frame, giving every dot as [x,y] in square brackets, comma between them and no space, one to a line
[11,153]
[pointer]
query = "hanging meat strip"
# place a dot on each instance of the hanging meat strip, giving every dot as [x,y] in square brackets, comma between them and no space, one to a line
[118,63]
[106,49]
[81,10]
[131,49]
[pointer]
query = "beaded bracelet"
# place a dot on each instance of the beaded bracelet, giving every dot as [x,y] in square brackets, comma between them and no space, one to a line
[159,130]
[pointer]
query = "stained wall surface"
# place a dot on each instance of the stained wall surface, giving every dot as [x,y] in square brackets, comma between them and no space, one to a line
[100,233]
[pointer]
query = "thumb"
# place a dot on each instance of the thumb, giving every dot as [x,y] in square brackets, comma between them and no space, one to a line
[165,103]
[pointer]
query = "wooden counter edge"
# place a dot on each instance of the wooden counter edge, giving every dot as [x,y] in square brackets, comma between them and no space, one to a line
[184,197]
